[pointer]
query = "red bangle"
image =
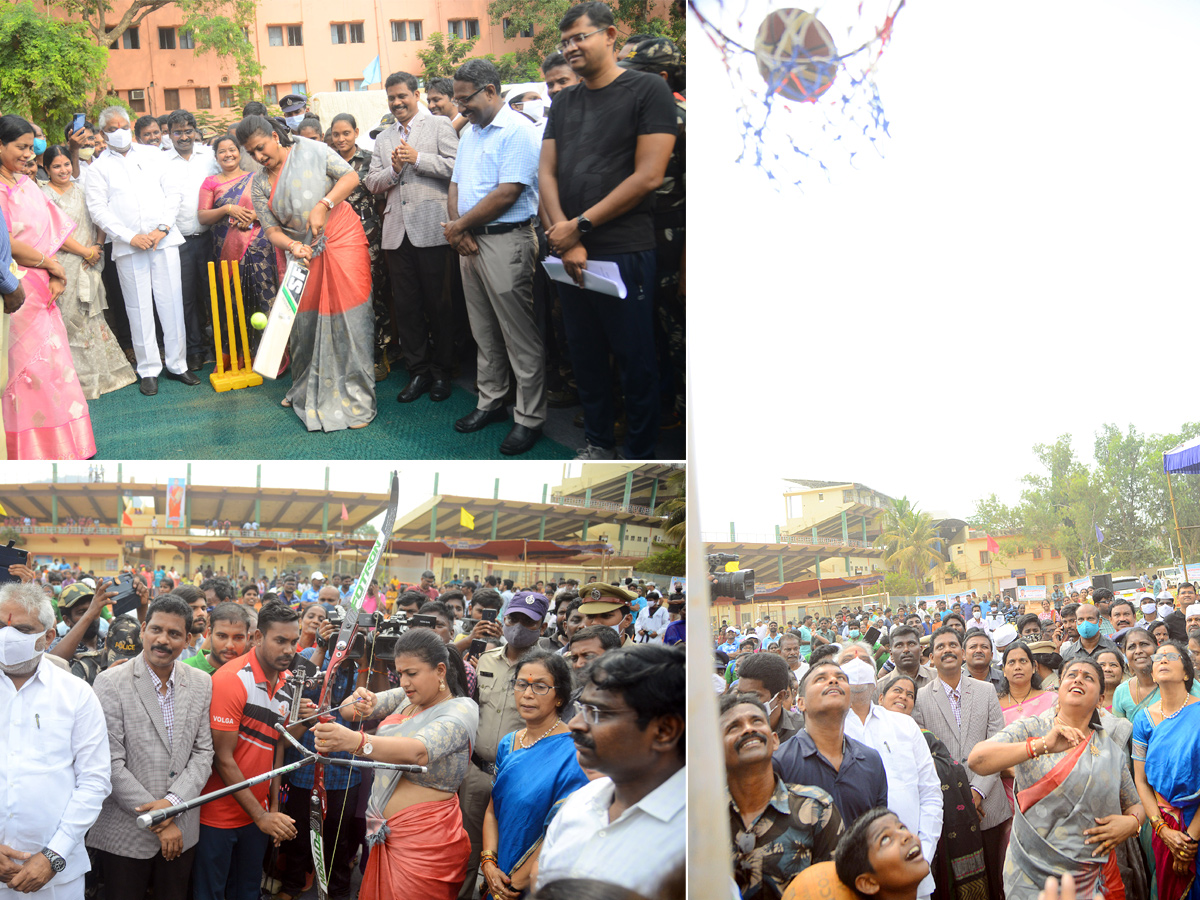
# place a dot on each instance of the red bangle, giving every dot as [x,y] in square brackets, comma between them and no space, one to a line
[362,743]
[1029,747]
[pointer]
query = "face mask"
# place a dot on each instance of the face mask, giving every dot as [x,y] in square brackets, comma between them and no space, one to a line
[39,146]
[535,108]
[293,122]
[1148,608]
[1087,630]
[1164,610]
[86,153]
[520,636]
[853,634]
[617,629]
[859,671]
[120,139]
[17,648]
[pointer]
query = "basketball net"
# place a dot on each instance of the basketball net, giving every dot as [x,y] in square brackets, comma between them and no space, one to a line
[804,89]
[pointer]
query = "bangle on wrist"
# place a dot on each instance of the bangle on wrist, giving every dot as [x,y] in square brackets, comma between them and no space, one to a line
[328,203]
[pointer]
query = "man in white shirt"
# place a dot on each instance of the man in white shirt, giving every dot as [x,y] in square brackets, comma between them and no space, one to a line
[632,733]
[131,195]
[652,621]
[190,163]
[914,789]
[48,799]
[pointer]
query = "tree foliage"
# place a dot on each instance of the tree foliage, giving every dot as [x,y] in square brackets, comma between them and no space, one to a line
[443,55]
[910,541]
[47,66]
[675,508]
[667,561]
[902,585]
[216,25]
[543,16]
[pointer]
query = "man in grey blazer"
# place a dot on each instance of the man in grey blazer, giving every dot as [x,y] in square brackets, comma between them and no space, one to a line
[412,164]
[961,712]
[157,711]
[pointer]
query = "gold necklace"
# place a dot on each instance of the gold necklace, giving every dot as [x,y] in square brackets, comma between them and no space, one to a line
[525,734]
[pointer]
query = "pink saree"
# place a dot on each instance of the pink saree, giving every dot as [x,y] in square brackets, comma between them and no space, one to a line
[45,412]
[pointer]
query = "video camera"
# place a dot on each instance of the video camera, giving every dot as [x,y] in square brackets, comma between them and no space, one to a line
[736,585]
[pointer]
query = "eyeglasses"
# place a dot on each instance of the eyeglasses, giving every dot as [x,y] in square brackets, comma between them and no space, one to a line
[1166,657]
[567,43]
[462,103]
[539,688]
[593,714]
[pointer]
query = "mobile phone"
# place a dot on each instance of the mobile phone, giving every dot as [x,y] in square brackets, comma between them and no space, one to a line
[477,648]
[11,556]
[872,636]
[489,615]
[422,622]
[77,122]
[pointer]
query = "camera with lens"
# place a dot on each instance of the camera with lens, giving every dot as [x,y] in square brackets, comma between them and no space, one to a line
[387,632]
[735,585]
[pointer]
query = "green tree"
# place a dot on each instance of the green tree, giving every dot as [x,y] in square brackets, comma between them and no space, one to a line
[675,508]
[47,66]
[543,16]
[667,561]
[216,26]
[514,67]
[443,55]
[910,541]
[902,585]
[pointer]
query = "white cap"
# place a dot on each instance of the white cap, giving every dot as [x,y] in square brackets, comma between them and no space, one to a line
[1193,610]
[316,576]
[1165,595]
[1004,635]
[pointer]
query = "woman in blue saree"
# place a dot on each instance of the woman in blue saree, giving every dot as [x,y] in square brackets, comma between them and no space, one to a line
[1166,769]
[536,770]
[1075,799]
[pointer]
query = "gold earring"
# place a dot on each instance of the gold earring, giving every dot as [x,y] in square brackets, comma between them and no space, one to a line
[441,686]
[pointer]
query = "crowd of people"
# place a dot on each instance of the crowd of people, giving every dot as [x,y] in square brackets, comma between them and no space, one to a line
[981,746]
[549,727]
[423,243]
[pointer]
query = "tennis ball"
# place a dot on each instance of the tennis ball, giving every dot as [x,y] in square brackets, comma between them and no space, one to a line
[259,321]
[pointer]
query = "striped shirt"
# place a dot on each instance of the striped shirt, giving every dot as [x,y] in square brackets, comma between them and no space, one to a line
[166,699]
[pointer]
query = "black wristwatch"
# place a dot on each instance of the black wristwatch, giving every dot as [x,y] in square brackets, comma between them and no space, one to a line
[322,643]
[57,863]
[165,229]
[584,223]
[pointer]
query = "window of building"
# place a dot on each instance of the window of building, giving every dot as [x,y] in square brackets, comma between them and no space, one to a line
[399,31]
[300,87]
[203,98]
[356,33]
[337,34]
[347,85]
[166,39]
[130,40]
[984,557]
[414,31]
[1037,552]
[1058,579]
[1054,554]
[524,32]
[171,99]
[137,101]
[270,94]
[295,36]
[820,498]
[464,28]
[1041,579]
[275,35]
[187,41]
[225,97]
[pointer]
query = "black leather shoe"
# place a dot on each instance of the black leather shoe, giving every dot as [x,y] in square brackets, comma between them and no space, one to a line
[185,376]
[480,418]
[520,440]
[149,386]
[195,362]
[440,390]
[415,388]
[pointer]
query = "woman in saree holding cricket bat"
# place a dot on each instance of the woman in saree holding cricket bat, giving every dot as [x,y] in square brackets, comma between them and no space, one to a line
[298,202]
[419,847]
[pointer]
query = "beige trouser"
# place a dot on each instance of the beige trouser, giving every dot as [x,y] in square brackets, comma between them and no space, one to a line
[498,285]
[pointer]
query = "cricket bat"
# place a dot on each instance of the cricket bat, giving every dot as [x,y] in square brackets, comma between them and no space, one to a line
[283,313]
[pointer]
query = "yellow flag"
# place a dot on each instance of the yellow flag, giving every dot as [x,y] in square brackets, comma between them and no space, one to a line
[731,567]
[3,511]
[465,518]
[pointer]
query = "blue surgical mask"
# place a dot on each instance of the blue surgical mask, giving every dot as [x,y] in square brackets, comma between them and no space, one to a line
[293,122]
[39,146]
[1087,630]
[853,634]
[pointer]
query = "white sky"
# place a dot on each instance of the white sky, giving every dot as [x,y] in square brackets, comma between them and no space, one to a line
[518,480]
[919,323]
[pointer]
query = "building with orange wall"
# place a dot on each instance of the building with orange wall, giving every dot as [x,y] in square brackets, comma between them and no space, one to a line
[302,45]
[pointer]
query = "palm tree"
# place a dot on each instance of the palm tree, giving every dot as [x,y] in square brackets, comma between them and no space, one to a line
[675,509]
[910,540]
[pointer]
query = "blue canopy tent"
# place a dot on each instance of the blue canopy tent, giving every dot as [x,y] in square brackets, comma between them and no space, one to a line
[1182,459]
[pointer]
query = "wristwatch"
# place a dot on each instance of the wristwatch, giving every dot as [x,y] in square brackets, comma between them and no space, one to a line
[57,863]
[165,229]
[584,223]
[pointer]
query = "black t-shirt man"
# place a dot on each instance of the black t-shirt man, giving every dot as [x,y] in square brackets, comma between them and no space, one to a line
[596,132]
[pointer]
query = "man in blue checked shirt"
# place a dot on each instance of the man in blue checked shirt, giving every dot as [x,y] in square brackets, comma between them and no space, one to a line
[492,203]
[344,828]
[14,295]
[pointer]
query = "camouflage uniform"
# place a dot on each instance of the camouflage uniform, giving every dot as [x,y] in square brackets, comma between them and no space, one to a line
[654,56]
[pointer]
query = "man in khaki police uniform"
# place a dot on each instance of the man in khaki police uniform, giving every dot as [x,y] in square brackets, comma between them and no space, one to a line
[607,604]
[524,621]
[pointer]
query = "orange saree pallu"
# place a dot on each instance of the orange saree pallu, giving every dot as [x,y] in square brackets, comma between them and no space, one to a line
[421,851]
